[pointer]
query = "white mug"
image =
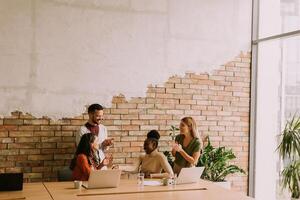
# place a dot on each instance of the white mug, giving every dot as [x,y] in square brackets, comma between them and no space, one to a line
[77,184]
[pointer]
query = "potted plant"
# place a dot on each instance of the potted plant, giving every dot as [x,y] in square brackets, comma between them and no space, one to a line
[217,164]
[173,132]
[289,150]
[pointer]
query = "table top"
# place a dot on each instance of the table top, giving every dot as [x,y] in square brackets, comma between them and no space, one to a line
[129,189]
[34,191]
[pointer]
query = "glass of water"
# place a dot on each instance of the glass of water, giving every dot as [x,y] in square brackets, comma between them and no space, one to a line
[174,179]
[140,179]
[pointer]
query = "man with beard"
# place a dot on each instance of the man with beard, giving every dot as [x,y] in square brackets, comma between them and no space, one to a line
[94,126]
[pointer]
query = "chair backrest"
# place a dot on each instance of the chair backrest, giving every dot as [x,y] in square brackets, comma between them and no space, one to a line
[64,175]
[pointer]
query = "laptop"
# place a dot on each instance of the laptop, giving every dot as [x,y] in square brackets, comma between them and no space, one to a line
[189,175]
[11,181]
[103,179]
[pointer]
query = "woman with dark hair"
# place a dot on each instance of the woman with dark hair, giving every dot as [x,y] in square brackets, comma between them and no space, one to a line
[87,158]
[154,163]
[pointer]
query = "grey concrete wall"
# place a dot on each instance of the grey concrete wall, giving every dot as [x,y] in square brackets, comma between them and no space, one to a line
[58,55]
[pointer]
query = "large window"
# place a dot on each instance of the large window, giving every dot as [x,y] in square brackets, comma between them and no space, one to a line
[275,89]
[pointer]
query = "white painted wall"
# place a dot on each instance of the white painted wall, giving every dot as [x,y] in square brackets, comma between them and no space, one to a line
[58,55]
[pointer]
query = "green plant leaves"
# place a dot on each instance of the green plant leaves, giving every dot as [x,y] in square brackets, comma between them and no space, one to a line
[216,163]
[289,148]
[291,178]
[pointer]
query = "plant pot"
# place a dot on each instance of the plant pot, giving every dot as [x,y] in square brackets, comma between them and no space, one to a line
[224,184]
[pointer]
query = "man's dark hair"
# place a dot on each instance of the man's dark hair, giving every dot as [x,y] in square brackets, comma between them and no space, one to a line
[92,108]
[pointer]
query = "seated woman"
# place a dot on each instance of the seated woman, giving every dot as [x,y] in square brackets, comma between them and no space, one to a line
[154,162]
[87,158]
[186,149]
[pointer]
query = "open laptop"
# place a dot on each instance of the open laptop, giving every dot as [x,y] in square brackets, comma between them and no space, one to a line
[189,175]
[103,179]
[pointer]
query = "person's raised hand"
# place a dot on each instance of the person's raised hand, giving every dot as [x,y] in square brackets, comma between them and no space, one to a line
[108,142]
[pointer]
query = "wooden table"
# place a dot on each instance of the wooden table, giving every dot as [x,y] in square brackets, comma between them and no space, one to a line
[34,191]
[128,189]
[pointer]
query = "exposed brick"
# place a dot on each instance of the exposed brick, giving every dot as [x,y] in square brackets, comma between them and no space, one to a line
[51,139]
[21,145]
[40,157]
[5,152]
[27,139]
[46,145]
[131,149]
[13,122]
[7,140]
[36,121]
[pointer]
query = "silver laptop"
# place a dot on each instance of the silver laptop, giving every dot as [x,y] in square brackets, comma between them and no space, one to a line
[189,175]
[103,179]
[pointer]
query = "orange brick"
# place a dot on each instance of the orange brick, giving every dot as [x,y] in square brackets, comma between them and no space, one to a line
[198,87]
[130,127]
[131,149]
[43,133]
[36,121]
[190,102]
[119,99]
[157,89]
[40,157]
[137,133]
[199,76]
[3,133]
[20,134]
[27,139]
[70,128]
[174,79]
[149,127]
[165,106]
[156,112]
[173,91]
[157,122]
[13,122]
[147,116]
[164,96]
[192,91]
[137,100]
[152,101]
[183,96]
[119,111]
[182,107]
[29,151]
[121,122]
[126,105]
[51,139]
[181,86]
[21,146]
[128,138]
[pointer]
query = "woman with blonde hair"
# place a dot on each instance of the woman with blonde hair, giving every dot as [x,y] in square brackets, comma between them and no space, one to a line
[186,149]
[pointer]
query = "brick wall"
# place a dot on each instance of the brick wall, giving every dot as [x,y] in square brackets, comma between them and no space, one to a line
[218,101]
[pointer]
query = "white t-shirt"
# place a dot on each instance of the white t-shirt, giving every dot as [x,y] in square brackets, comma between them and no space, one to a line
[101,137]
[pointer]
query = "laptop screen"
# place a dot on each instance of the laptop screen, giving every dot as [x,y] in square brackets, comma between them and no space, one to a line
[11,181]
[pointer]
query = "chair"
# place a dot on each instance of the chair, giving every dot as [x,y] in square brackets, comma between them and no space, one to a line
[64,175]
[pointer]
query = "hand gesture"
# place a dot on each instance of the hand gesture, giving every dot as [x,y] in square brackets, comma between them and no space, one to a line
[108,142]
[177,147]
